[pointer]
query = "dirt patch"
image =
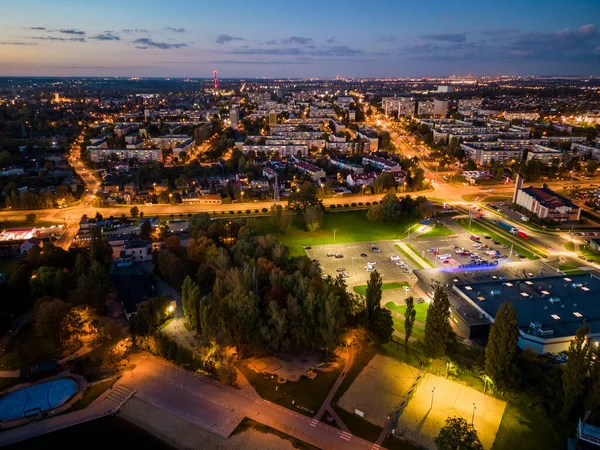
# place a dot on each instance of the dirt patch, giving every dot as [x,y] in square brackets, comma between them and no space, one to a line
[379,389]
[291,366]
[187,436]
[428,410]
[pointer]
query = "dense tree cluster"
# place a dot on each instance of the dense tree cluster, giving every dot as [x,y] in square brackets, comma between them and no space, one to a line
[438,332]
[241,289]
[391,208]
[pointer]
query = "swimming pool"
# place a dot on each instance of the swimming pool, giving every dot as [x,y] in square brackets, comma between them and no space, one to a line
[36,399]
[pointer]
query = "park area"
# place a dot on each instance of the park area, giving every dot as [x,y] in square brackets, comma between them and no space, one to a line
[379,389]
[438,398]
[349,226]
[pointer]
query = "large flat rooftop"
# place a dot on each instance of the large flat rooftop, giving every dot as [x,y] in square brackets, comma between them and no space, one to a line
[558,303]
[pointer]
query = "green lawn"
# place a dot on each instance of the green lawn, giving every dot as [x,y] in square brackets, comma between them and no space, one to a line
[526,429]
[420,308]
[349,226]
[308,393]
[92,393]
[416,252]
[584,250]
[437,231]
[362,290]
[497,235]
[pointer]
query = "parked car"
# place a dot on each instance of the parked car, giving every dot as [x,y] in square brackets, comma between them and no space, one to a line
[341,269]
[394,258]
[330,253]
[431,250]
[345,275]
[339,255]
[372,263]
[369,268]
[363,255]
[376,249]
[419,300]
[406,288]
[308,247]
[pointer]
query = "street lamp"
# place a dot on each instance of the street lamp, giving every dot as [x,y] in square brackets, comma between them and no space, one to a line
[473,416]
[485,384]
[432,393]
[334,230]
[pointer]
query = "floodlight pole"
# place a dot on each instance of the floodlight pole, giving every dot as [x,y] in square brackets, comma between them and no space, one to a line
[432,393]
[473,416]
[334,230]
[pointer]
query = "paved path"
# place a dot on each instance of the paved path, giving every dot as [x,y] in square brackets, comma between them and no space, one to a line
[219,408]
[348,356]
[416,257]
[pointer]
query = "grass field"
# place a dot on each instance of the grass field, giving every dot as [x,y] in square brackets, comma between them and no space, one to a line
[420,308]
[416,252]
[583,250]
[362,290]
[526,429]
[479,229]
[437,231]
[307,393]
[350,226]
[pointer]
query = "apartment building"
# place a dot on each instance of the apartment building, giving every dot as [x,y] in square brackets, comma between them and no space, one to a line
[316,173]
[141,154]
[469,107]
[386,165]
[483,154]
[547,204]
[545,154]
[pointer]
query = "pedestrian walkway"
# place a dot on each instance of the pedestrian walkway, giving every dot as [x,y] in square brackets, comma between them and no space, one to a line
[414,256]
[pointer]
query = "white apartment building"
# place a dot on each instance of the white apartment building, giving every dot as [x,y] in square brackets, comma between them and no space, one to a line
[469,107]
[425,108]
[282,150]
[585,150]
[547,155]
[483,155]
[404,105]
[141,154]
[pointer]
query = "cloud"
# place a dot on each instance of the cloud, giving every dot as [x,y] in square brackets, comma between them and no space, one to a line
[445,37]
[59,39]
[35,28]
[259,63]
[297,40]
[224,38]
[106,36]
[135,30]
[331,40]
[340,50]
[271,42]
[588,30]
[145,43]
[175,30]
[71,31]
[387,38]
[18,43]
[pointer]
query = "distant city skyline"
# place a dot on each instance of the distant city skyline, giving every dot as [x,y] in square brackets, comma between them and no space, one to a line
[267,38]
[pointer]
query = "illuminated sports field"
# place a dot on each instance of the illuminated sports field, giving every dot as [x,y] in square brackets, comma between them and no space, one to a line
[422,419]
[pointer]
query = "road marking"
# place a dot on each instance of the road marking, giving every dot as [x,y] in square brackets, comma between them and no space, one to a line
[375,447]
[314,422]
[345,435]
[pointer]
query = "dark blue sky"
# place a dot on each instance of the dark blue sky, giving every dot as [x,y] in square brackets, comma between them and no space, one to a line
[299,38]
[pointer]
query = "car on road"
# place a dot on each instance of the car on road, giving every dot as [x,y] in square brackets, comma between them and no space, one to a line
[341,269]
[339,255]
[330,254]
[376,249]
[363,255]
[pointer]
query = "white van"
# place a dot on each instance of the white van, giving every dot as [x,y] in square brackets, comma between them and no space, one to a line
[443,257]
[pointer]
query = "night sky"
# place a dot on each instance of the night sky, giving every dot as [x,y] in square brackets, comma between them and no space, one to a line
[298,38]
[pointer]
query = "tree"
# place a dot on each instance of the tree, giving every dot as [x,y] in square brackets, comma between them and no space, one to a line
[145,230]
[134,211]
[48,316]
[409,319]
[30,218]
[592,399]
[382,325]
[373,294]
[163,231]
[575,370]
[457,434]
[438,331]
[190,299]
[502,346]
[313,216]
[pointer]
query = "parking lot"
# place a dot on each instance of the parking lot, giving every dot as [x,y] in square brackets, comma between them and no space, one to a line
[449,244]
[354,263]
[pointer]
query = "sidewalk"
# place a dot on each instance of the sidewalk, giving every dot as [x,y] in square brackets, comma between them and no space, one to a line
[416,257]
